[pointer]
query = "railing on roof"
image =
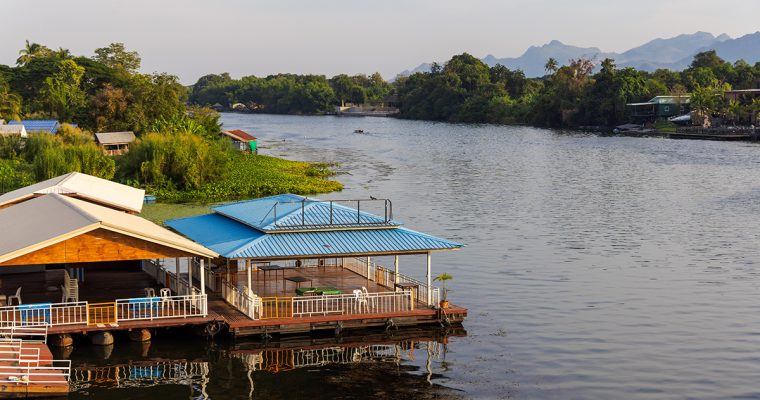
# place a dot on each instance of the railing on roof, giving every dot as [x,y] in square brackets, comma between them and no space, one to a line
[330,219]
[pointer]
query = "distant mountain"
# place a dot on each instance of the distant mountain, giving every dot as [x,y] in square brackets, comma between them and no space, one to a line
[534,59]
[673,53]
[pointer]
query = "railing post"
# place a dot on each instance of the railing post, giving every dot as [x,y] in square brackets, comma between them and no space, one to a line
[429,281]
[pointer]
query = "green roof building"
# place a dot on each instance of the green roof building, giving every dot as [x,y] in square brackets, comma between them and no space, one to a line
[659,107]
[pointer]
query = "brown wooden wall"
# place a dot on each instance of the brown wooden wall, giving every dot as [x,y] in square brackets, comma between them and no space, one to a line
[98,245]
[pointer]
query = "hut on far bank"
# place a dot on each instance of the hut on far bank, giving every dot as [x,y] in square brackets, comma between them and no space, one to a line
[13,130]
[242,140]
[115,143]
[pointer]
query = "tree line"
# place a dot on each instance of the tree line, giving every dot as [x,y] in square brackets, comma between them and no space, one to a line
[289,93]
[464,89]
[467,90]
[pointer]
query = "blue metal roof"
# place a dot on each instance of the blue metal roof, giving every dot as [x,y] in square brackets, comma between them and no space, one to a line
[233,239]
[38,125]
[290,212]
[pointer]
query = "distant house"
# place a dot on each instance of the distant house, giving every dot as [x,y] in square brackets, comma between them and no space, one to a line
[13,130]
[242,140]
[115,143]
[659,107]
[38,125]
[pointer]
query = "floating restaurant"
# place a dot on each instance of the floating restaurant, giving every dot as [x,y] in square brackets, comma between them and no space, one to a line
[75,258]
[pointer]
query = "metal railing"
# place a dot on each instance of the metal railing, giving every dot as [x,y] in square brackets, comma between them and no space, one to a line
[386,277]
[329,217]
[352,304]
[150,308]
[41,314]
[30,334]
[25,365]
[248,305]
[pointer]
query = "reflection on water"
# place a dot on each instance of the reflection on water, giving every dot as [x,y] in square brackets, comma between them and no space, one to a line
[595,267]
[348,366]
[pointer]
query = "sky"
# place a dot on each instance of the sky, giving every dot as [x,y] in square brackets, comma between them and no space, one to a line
[191,38]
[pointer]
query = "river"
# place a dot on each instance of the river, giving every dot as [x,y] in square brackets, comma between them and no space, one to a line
[594,267]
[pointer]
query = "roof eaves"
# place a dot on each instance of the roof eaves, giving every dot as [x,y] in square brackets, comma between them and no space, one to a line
[49,242]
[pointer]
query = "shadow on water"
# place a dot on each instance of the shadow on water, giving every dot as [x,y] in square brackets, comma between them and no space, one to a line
[364,364]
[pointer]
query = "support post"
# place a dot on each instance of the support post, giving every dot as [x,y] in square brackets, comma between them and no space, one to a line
[189,276]
[248,271]
[395,271]
[369,260]
[429,280]
[203,278]
[176,275]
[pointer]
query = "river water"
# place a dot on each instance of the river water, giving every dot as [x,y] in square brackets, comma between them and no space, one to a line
[594,267]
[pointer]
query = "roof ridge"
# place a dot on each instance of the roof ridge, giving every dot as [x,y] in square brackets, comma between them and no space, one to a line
[68,176]
[67,201]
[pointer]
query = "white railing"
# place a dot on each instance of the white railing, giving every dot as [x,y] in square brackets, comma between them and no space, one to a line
[44,314]
[25,366]
[30,334]
[150,308]
[166,278]
[386,277]
[250,306]
[57,371]
[350,304]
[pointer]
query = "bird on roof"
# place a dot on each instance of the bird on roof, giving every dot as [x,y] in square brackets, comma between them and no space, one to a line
[372,198]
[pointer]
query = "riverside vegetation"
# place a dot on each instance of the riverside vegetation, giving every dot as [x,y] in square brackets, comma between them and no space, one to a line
[465,89]
[179,154]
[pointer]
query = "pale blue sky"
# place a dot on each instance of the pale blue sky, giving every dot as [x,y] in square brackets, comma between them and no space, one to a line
[193,37]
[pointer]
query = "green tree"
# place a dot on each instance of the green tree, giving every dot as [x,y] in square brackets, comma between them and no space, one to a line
[30,51]
[10,103]
[116,56]
[551,66]
[62,92]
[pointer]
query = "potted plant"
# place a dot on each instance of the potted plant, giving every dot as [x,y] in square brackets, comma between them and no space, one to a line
[443,278]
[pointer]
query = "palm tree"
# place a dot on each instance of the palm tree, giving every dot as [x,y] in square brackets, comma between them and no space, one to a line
[63,53]
[30,51]
[551,66]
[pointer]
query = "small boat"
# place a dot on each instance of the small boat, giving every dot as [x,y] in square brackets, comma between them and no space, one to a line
[358,130]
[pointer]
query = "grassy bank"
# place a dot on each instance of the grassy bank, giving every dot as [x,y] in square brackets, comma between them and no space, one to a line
[253,176]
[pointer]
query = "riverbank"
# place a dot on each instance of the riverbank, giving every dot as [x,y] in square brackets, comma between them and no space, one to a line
[251,176]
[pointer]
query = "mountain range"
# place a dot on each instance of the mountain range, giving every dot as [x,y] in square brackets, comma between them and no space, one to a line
[674,53]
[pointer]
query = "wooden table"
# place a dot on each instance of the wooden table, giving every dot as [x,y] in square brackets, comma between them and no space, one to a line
[298,280]
[269,268]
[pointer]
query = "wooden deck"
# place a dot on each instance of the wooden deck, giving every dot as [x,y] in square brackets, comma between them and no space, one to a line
[53,385]
[106,285]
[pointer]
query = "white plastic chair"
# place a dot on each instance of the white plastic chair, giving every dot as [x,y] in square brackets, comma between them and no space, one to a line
[166,301]
[367,298]
[150,292]
[16,296]
[361,300]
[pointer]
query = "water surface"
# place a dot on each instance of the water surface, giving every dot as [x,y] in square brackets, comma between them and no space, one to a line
[595,267]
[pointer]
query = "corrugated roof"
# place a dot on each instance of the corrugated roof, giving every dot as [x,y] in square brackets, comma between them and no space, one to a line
[233,239]
[12,130]
[53,218]
[295,212]
[239,135]
[83,186]
[38,125]
[115,137]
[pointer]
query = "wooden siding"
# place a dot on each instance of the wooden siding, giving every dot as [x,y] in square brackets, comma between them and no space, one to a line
[98,245]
